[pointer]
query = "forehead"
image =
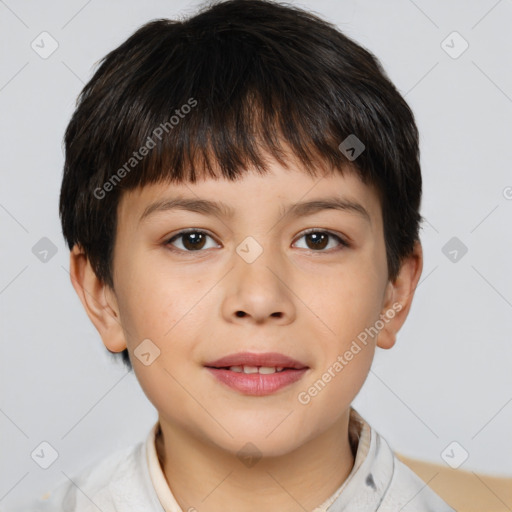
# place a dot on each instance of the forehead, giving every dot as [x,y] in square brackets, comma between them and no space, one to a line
[278,190]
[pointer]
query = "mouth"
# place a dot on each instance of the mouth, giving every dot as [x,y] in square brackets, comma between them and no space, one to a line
[257,374]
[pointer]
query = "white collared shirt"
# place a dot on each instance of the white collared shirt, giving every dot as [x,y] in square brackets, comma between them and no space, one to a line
[132,480]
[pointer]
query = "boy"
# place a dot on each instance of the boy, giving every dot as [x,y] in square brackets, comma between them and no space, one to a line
[241,200]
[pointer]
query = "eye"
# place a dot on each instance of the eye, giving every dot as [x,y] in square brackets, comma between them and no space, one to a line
[193,240]
[318,240]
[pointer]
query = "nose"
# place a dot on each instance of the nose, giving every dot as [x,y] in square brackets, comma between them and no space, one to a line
[259,291]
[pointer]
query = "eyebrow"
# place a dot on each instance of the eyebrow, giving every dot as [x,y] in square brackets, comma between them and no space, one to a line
[222,210]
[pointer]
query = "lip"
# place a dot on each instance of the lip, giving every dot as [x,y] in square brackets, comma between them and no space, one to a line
[257,384]
[252,359]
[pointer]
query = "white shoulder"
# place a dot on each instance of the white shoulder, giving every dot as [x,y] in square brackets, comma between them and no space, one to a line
[408,493]
[103,486]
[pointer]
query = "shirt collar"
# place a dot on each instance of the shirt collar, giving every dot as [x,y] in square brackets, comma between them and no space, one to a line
[160,484]
[371,475]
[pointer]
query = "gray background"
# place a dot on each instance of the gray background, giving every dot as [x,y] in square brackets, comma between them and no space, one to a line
[447,379]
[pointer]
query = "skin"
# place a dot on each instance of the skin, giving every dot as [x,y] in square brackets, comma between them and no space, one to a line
[305,302]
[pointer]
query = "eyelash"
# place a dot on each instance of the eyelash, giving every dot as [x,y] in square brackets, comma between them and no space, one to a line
[168,243]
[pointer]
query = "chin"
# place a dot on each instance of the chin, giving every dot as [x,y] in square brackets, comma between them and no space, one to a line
[265,442]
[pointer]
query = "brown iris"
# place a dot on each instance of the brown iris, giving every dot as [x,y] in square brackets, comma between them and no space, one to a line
[193,241]
[319,240]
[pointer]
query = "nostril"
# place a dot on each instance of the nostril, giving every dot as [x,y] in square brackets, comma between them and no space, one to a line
[240,314]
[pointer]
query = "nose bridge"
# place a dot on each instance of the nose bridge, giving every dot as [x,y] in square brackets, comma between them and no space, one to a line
[253,262]
[257,283]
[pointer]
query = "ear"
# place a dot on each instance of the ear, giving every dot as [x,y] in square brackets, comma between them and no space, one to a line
[398,297]
[98,300]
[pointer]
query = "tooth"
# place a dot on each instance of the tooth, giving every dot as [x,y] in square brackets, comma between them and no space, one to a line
[267,369]
[250,369]
[238,369]
[279,368]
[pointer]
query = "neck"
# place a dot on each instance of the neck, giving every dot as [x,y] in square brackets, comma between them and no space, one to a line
[204,477]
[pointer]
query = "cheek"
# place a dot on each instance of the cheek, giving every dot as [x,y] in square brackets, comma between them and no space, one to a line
[350,306]
[166,309]
[159,308]
[348,302]
[332,389]
[153,301]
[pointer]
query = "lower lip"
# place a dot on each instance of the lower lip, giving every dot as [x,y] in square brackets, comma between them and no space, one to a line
[257,384]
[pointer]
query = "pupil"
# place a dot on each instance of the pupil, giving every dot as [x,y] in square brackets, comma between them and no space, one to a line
[196,240]
[319,240]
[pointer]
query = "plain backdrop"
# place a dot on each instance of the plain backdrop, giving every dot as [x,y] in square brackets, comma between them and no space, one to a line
[449,376]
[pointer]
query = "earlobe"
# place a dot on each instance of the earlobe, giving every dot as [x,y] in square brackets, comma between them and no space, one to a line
[398,297]
[93,294]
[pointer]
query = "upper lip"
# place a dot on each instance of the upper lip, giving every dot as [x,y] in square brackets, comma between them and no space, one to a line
[269,359]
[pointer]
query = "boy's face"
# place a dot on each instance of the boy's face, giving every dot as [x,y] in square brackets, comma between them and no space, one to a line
[307,297]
